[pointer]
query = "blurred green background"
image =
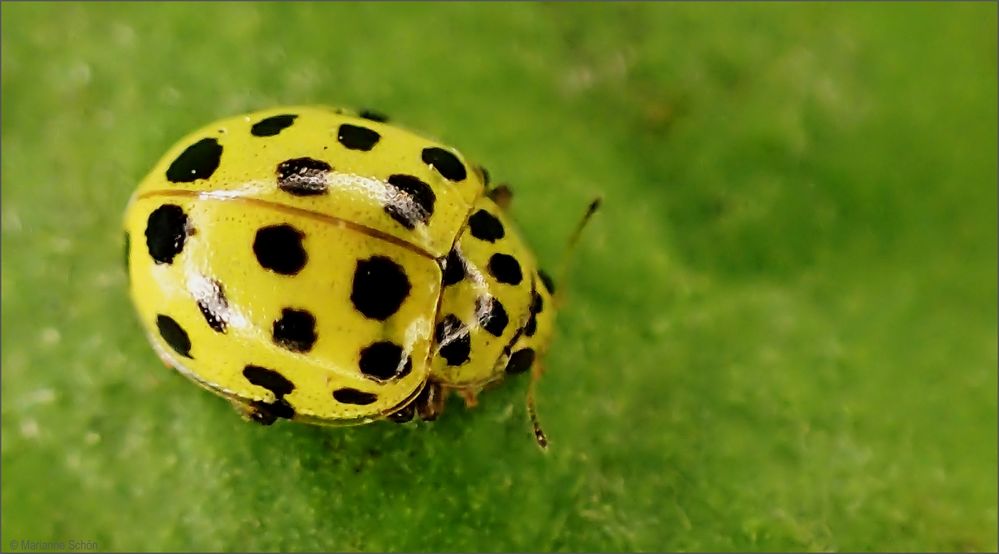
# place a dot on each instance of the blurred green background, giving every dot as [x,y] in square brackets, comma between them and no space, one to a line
[781,331]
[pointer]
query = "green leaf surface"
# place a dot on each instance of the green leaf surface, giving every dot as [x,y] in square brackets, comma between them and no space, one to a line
[780,331]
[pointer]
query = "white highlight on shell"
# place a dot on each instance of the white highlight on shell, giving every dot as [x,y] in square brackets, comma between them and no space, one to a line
[204,291]
[417,330]
[249,190]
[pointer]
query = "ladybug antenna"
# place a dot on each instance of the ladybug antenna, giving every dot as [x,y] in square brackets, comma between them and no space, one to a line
[536,369]
[572,243]
[532,411]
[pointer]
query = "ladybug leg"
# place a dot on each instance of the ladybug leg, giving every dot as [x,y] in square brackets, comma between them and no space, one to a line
[249,412]
[501,195]
[262,412]
[470,397]
[430,403]
[404,414]
[537,370]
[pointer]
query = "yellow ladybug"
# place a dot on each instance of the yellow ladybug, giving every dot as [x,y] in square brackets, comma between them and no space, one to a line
[323,266]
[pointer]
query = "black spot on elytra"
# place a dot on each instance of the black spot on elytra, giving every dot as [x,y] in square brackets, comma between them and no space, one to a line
[454,268]
[272,125]
[384,360]
[295,330]
[166,231]
[454,340]
[355,137]
[446,163]
[174,335]
[279,249]
[531,326]
[537,305]
[547,280]
[520,361]
[373,116]
[492,315]
[198,161]
[354,396]
[303,176]
[214,306]
[268,379]
[485,226]
[380,286]
[505,269]
[411,201]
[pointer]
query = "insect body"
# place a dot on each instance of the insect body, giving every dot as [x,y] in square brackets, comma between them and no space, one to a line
[313,264]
